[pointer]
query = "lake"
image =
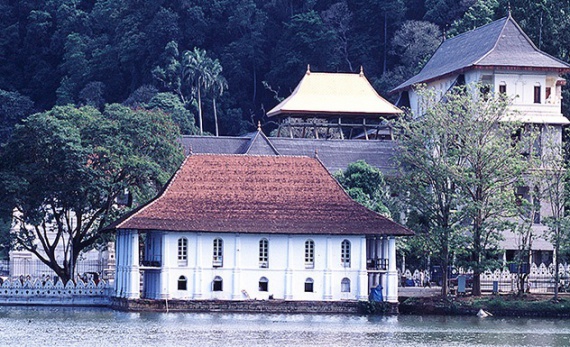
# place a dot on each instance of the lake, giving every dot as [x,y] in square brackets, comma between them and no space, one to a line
[57,326]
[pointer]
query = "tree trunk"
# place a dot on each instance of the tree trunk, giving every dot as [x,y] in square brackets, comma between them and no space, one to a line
[200,110]
[215,115]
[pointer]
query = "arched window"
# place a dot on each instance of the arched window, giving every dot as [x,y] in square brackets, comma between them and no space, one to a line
[182,283]
[345,253]
[182,251]
[309,254]
[217,284]
[218,259]
[309,285]
[345,285]
[263,284]
[263,253]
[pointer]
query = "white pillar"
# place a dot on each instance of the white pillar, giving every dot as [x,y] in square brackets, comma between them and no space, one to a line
[198,271]
[392,294]
[327,281]
[384,276]
[133,278]
[363,286]
[289,271]
[236,272]
[165,262]
[119,264]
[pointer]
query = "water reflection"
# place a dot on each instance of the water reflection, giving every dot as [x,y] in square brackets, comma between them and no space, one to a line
[101,327]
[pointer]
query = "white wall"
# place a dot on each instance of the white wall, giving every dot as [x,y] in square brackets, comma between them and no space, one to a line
[241,271]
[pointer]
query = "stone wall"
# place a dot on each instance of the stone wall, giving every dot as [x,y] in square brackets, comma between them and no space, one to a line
[250,306]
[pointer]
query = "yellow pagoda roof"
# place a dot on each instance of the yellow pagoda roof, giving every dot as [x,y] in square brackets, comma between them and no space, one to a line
[330,94]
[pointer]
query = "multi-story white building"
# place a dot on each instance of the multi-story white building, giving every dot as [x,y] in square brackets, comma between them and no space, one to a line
[501,58]
[234,227]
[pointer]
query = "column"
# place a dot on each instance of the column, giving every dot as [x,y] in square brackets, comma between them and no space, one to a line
[392,293]
[198,267]
[327,281]
[236,271]
[166,261]
[289,270]
[384,276]
[133,272]
[363,286]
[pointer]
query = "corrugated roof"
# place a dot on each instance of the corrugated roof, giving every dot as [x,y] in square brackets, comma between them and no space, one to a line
[325,94]
[257,194]
[501,43]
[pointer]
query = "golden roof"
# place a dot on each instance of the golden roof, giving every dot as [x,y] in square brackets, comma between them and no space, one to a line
[330,94]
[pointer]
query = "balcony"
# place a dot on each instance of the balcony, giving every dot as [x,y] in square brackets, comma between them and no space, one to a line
[377,264]
[151,262]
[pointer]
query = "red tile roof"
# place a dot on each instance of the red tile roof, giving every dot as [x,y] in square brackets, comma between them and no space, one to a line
[257,194]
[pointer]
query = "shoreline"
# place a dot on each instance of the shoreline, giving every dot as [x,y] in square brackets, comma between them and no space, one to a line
[539,306]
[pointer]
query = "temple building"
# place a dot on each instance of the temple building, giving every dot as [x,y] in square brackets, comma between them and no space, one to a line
[502,59]
[334,105]
[237,227]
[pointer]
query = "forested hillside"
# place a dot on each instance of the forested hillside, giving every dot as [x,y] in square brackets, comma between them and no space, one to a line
[241,55]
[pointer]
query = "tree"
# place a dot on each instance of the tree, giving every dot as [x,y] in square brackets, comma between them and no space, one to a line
[493,162]
[13,108]
[171,104]
[469,166]
[63,170]
[366,185]
[217,86]
[428,159]
[197,69]
[555,178]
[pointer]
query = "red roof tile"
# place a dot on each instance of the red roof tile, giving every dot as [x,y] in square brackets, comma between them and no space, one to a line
[257,194]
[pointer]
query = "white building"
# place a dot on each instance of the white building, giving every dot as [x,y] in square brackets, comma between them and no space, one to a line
[504,60]
[237,227]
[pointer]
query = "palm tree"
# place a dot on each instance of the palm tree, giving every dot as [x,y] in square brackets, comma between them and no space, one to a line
[217,86]
[196,67]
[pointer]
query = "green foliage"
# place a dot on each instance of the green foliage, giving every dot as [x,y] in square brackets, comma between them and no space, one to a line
[13,108]
[366,185]
[459,167]
[102,51]
[63,170]
[172,105]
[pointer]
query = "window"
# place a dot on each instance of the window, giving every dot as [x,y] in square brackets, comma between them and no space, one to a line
[309,254]
[548,91]
[182,251]
[263,253]
[345,285]
[263,284]
[182,283]
[503,88]
[537,93]
[309,285]
[345,253]
[217,284]
[218,258]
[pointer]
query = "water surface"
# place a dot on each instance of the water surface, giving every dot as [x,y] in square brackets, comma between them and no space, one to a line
[102,327]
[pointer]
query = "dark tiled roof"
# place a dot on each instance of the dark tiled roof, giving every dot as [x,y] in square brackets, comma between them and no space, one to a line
[215,144]
[257,194]
[334,154]
[501,43]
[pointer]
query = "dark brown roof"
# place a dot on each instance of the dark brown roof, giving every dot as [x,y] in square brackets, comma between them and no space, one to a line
[257,194]
[501,43]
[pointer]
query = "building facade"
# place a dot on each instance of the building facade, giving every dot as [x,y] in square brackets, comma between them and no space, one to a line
[501,59]
[238,227]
